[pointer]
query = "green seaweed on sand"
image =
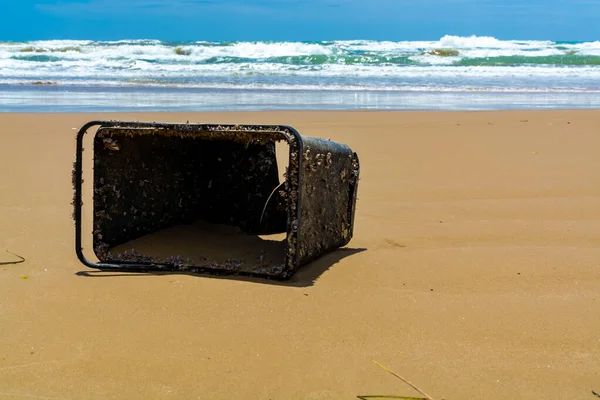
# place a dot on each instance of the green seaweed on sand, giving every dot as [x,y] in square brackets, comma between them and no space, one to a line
[387,396]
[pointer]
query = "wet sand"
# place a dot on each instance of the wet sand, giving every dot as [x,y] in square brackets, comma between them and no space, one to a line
[474,272]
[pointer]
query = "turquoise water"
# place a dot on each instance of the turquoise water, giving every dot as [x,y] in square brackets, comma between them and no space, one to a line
[451,73]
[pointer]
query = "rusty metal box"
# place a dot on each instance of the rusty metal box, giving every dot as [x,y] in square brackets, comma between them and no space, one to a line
[214,192]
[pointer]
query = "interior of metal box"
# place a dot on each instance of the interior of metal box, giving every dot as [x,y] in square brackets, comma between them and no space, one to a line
[190,199]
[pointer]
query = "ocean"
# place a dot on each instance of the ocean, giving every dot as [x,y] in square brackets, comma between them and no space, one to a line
[453,73]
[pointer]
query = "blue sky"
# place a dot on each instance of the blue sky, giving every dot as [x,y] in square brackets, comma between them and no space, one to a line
[298,19]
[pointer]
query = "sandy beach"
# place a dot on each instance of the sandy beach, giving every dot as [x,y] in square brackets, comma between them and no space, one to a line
[474,272]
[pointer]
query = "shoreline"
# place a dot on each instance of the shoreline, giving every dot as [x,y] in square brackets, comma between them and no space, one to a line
[292,112]
[57,98]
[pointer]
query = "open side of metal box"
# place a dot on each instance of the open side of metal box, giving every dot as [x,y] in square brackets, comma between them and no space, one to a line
[149,177]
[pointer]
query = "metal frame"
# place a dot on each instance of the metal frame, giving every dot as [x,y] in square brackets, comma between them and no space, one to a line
[290,134]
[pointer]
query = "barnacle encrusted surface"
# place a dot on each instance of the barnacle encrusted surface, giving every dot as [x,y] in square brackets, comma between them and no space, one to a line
[151,178]
[327,193]
[154,182]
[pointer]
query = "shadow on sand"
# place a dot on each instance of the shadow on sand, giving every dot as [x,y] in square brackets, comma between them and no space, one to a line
[306,275]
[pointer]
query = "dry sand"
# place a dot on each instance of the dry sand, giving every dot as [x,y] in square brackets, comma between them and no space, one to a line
[475,275]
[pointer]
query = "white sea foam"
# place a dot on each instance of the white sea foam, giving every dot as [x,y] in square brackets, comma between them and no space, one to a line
[125,69]
[467,47]
[472,42]
[374,65]
[68,84]
[57,43]
[262,50]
